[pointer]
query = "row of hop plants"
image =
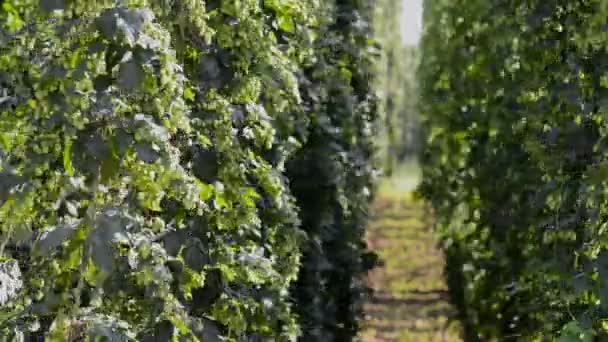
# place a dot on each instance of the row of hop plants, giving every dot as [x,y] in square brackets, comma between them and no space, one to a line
[184,169]
[515,163]
[396,86]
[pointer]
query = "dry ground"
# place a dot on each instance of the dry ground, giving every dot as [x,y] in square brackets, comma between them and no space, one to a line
[410,301]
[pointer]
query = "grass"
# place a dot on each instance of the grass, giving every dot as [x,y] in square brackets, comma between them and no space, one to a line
[410,301]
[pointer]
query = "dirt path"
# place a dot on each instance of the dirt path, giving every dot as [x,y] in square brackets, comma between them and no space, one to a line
[410,301]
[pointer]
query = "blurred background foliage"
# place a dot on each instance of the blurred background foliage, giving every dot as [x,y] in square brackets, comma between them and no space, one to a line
[397,88]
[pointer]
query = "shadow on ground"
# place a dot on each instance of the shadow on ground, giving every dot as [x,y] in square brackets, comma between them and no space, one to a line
[410,302]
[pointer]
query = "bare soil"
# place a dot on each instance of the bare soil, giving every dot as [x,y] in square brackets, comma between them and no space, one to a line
[410,301]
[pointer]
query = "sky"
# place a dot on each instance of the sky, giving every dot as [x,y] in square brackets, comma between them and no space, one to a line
[411,21]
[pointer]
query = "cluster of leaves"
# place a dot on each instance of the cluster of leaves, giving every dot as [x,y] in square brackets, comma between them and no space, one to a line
[514,103]
[396,86]
[143,151]
[332,177]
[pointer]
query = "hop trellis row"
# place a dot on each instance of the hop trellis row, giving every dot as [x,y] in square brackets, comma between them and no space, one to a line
[161,163]
[514,100]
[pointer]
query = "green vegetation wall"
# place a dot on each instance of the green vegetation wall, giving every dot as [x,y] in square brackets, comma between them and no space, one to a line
[161,164]
[332,177]
[515,165]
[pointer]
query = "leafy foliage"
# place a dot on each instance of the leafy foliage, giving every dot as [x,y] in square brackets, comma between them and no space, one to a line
[143,189]
[397,87]
[332,177]
[514,107]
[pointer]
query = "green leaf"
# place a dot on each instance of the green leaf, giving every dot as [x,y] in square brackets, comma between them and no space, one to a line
[286,23]
[130,75]
[54,237]
[206,190]
[109,168]
[67,158]
[189,94]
